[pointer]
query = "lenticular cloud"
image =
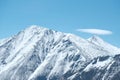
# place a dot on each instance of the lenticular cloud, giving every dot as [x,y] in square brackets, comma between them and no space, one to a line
[96,31]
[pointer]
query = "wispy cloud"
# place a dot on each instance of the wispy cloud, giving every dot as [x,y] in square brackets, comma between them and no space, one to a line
[96,31]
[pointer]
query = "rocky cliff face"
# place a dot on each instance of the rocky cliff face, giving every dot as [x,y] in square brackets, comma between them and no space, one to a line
[38,53]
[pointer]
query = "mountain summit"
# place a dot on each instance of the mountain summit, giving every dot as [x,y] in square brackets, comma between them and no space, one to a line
[38,53]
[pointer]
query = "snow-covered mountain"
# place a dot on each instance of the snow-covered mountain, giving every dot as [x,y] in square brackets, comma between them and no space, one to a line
[38,53]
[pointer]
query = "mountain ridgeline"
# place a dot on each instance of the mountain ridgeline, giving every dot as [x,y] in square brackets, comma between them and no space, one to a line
[38,53]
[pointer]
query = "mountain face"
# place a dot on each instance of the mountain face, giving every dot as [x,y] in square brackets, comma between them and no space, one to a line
[38,53]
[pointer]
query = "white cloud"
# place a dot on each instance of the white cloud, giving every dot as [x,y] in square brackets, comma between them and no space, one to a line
[96,31]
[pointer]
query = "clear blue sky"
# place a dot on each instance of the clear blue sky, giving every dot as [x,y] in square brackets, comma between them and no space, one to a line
[61,15]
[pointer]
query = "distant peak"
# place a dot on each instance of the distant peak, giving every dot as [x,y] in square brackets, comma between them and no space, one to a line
[95,38]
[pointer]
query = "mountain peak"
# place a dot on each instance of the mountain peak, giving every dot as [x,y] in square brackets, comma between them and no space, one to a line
[35,27]
[95,38]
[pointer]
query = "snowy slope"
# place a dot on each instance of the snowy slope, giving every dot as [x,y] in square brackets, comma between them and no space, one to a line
[98,41]
[38,53]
